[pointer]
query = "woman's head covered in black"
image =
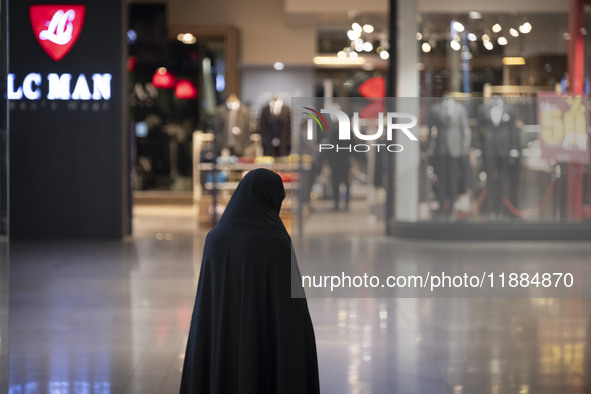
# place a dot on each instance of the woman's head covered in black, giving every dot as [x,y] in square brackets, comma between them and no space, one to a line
[258,197]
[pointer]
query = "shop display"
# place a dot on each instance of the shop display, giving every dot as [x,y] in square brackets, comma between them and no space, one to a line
[449,150]
[232,126]
[275,128]
[210,190]
[500,143]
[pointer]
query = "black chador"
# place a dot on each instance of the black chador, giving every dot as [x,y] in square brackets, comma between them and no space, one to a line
[248,335]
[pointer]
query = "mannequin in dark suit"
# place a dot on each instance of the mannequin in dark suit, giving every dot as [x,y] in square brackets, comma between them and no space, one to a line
[448,150]
[500,143]
[275,128]
[232,126]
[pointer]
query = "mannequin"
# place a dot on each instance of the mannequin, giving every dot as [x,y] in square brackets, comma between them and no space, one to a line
[275,128]
[449,150]
[232,126]
[500,143]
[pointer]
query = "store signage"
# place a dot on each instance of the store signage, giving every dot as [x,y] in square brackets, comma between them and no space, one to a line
[563,128]
[59,87]
[57,27]
[65,83]
[346,126]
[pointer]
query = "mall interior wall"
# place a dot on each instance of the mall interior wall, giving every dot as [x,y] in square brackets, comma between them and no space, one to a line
[427,6]
[286,31]
[260,83]
[265,34]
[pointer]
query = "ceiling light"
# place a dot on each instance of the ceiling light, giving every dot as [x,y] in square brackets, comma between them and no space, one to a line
[455,45]
[278,66]
[566,36]
[359,45]
[485,37]
[353,35]
[368,28]
[356,27]
[342,54]
[513,61]
[458,26]
[514,32]
[488,45]
[367,47]
[419,36]
[353,55]
[185,90]
[475,15]
[426,47]
[384,54]
[525,28]
[496,28]
[472,37]
[163,79]
[334,60]
[188,38]
[502,41]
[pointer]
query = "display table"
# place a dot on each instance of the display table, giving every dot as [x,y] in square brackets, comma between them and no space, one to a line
[207,187]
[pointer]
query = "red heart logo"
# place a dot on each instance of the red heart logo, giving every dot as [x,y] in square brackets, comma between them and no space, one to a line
[57,27]
[373,87]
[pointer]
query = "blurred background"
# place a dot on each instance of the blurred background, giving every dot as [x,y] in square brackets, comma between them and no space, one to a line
[119,154]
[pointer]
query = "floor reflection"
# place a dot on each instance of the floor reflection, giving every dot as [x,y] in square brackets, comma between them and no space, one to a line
[454,345]
[112,317]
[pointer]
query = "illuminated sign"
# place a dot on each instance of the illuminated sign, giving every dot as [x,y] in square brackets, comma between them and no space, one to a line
[57,27]
[59,87]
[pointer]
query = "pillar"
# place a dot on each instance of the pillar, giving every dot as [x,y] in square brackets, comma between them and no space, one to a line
[407,77]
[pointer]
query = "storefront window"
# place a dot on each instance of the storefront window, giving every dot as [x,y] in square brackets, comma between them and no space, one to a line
[502,159]
[502,80]
[465,53]
[495,161]
[175,83]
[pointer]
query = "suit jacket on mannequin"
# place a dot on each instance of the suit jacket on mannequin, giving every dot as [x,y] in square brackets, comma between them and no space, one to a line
[453,134]
[497,129]
[223,117]
[275,131]
[500,137]
[451,147]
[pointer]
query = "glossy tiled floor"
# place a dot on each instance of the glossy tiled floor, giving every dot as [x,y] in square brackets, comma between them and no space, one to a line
[112,317]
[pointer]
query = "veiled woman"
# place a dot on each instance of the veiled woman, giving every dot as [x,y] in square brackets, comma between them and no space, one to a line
[248,335]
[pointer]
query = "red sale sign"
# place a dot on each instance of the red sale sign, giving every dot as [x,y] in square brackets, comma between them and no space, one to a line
[57,27]
[563,128]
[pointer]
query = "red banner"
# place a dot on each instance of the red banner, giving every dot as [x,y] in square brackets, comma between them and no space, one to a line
[563,128]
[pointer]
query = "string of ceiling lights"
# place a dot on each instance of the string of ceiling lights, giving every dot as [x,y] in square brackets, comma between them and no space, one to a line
[458,32]
[365,39]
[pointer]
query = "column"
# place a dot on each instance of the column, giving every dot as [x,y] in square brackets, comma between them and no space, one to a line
[407,161]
